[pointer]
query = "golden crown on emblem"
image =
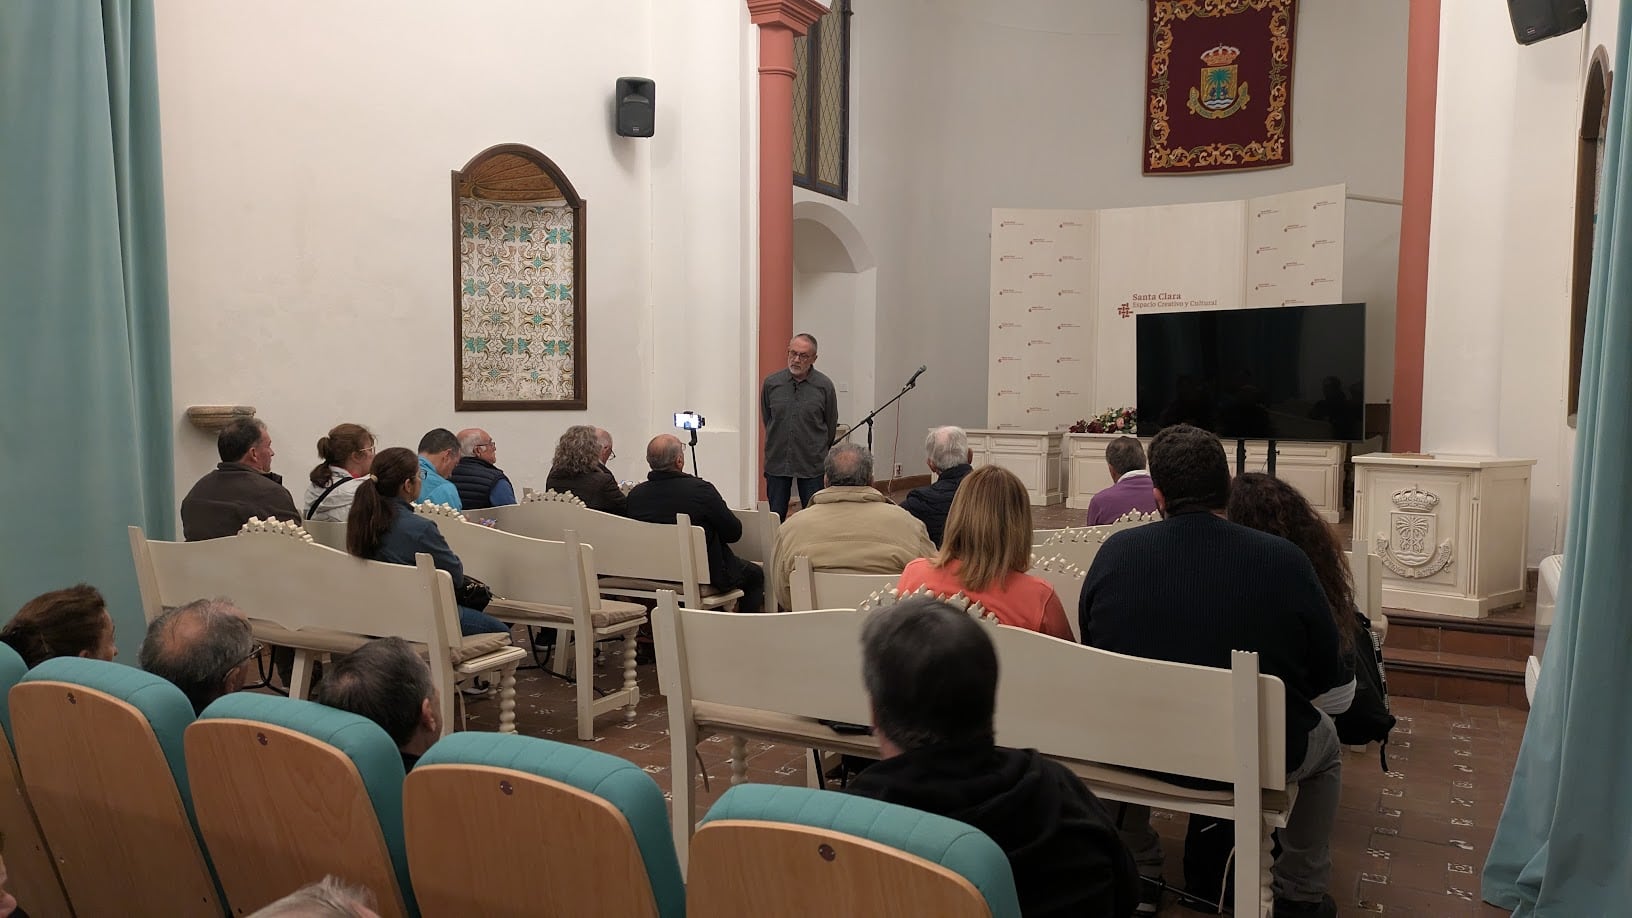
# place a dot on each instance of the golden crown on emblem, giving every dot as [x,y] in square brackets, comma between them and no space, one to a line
[1220,55]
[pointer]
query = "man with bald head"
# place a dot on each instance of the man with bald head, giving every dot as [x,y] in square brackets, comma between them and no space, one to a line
[481,484]
[204,648]
[668,491]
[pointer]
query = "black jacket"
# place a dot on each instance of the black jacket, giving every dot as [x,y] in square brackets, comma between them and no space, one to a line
[665,493]
[597,489]
[224,500]
[1062,844]
[475,478]
[932,502]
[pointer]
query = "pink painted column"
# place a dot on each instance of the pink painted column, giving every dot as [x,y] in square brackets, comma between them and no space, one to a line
[1411,294]
[780,22]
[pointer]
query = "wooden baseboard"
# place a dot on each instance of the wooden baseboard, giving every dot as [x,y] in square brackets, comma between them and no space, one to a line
[906,483]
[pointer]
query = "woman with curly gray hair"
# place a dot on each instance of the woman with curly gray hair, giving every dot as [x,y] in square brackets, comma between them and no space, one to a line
[580,468]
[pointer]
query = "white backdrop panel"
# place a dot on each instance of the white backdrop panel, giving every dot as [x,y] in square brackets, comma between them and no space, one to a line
[1295,248]
[1041,329]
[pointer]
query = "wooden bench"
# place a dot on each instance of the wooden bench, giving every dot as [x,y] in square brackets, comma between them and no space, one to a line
[758,544]
[550,584]
[317,600]
[813,589]
[634,559]
[774,677]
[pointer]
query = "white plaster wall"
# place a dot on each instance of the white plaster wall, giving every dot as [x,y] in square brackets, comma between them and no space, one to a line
[1496,350]
[308,147]
[1038,103]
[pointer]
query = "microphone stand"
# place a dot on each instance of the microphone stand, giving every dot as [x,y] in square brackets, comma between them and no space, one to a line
[868,420]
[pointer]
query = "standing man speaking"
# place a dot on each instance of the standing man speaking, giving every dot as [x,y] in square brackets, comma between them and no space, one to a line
[801,413]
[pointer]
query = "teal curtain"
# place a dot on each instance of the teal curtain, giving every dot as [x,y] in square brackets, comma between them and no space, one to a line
[85,434]
[1564,843]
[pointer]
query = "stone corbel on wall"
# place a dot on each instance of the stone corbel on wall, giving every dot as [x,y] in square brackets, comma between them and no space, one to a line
[212,418]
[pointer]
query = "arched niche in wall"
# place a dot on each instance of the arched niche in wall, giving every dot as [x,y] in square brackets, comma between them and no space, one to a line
[1589,174]
[519,325]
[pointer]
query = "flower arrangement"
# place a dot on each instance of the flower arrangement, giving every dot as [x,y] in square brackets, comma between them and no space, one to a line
[1109,421]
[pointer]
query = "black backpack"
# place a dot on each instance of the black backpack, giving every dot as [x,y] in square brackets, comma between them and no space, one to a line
[1368,719]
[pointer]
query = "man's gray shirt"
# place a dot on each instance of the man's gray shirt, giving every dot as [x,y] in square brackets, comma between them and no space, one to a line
[801,417]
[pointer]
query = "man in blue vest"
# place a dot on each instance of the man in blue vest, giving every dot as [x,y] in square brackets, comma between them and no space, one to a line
[481,484]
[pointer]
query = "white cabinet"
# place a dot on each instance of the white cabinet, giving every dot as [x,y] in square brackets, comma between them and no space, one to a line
[1032,455]
[1315,469]
[1450,529]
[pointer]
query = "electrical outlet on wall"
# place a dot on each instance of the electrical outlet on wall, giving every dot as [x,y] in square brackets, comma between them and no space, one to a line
[898,470]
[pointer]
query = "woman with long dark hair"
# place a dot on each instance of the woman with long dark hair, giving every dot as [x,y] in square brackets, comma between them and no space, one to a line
[346,453]
[985,553]
[383,526]
[1270,505]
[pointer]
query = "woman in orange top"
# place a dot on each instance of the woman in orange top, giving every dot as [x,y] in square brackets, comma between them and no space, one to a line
[985,553]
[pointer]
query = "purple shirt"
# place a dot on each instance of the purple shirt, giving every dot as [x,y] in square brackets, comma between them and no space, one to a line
[1131,492]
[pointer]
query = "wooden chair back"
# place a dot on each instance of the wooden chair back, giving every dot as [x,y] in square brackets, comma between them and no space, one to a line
[293,585]
[280,809]
[1066,579]
[758,544]
[565,851]
[33,871]
[326,533]
[744,869]
[1366,569]
[813,589]
[109,803]
[557,571]
[626,548]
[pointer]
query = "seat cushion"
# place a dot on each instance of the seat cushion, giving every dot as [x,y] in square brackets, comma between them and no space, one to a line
[324,641]
[958,847]
[476,645]
[617,781]
[611,612]
[776,727]
[636,584]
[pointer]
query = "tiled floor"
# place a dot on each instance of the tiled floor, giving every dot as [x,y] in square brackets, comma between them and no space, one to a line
[1408,842]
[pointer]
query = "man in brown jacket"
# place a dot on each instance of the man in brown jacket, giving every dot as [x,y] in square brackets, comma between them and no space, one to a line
[242,486]
[849,526]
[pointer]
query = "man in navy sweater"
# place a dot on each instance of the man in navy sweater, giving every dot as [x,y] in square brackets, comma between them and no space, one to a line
[1193,587]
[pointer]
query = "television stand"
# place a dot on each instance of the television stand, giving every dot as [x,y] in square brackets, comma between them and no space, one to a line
[1241,457]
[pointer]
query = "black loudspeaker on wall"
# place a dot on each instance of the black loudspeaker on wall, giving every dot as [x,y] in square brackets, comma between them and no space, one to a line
[636,103]
[1534,20]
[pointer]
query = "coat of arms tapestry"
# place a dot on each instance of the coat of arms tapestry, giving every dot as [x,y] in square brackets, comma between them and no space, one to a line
[1219,96]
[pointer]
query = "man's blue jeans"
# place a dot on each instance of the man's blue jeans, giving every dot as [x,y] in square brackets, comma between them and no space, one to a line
[779,490]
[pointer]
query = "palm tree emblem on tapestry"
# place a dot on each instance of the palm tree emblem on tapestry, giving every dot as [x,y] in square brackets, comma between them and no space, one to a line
[1219,95]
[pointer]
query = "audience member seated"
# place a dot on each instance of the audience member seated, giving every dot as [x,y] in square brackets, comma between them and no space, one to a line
[668,491]
[1130,489]
[481,484]
[931,674]
[204,648]
[848,526]
[438,455]
[580,468]
[62,623]
[384,527]
[327,898]
[346,453]
[242,485]
[388,683]
[986,554]
[1193,587]
[949,458]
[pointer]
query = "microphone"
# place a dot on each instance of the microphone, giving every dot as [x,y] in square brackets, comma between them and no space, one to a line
[917,374]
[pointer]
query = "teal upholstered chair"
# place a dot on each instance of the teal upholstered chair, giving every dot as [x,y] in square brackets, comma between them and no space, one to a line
[288,791]
[765,849]
[34,880]
[585,832]
[100,746]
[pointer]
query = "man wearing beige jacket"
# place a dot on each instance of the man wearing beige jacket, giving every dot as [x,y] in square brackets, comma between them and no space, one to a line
[849,526]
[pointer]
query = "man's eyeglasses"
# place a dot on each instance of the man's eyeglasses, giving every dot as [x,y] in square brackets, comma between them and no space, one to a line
[796,355]
[255,649]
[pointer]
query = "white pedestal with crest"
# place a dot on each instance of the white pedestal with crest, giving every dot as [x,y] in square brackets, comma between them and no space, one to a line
[1450,529]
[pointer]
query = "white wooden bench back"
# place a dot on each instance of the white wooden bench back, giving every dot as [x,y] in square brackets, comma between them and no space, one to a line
[1066,579]
[627,548]
[1138,713]
[559,572]
[813,589]
[802,663]
[326,533]
[1367,571]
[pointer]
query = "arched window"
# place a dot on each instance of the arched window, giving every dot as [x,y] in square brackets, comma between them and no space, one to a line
[821,104]
[518,284]
[1589,172]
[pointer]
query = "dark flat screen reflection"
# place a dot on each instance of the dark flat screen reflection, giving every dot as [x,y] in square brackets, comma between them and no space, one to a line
[1279,373]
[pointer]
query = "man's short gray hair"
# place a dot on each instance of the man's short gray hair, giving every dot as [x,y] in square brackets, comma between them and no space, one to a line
[196,647]
[848,465]
[385,681]
[327,898]
[469,440]
[946,448]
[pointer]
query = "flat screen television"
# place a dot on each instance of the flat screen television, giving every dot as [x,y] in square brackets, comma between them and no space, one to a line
[1277,373]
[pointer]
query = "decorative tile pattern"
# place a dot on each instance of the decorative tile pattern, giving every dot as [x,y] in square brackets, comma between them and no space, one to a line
[517,314]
